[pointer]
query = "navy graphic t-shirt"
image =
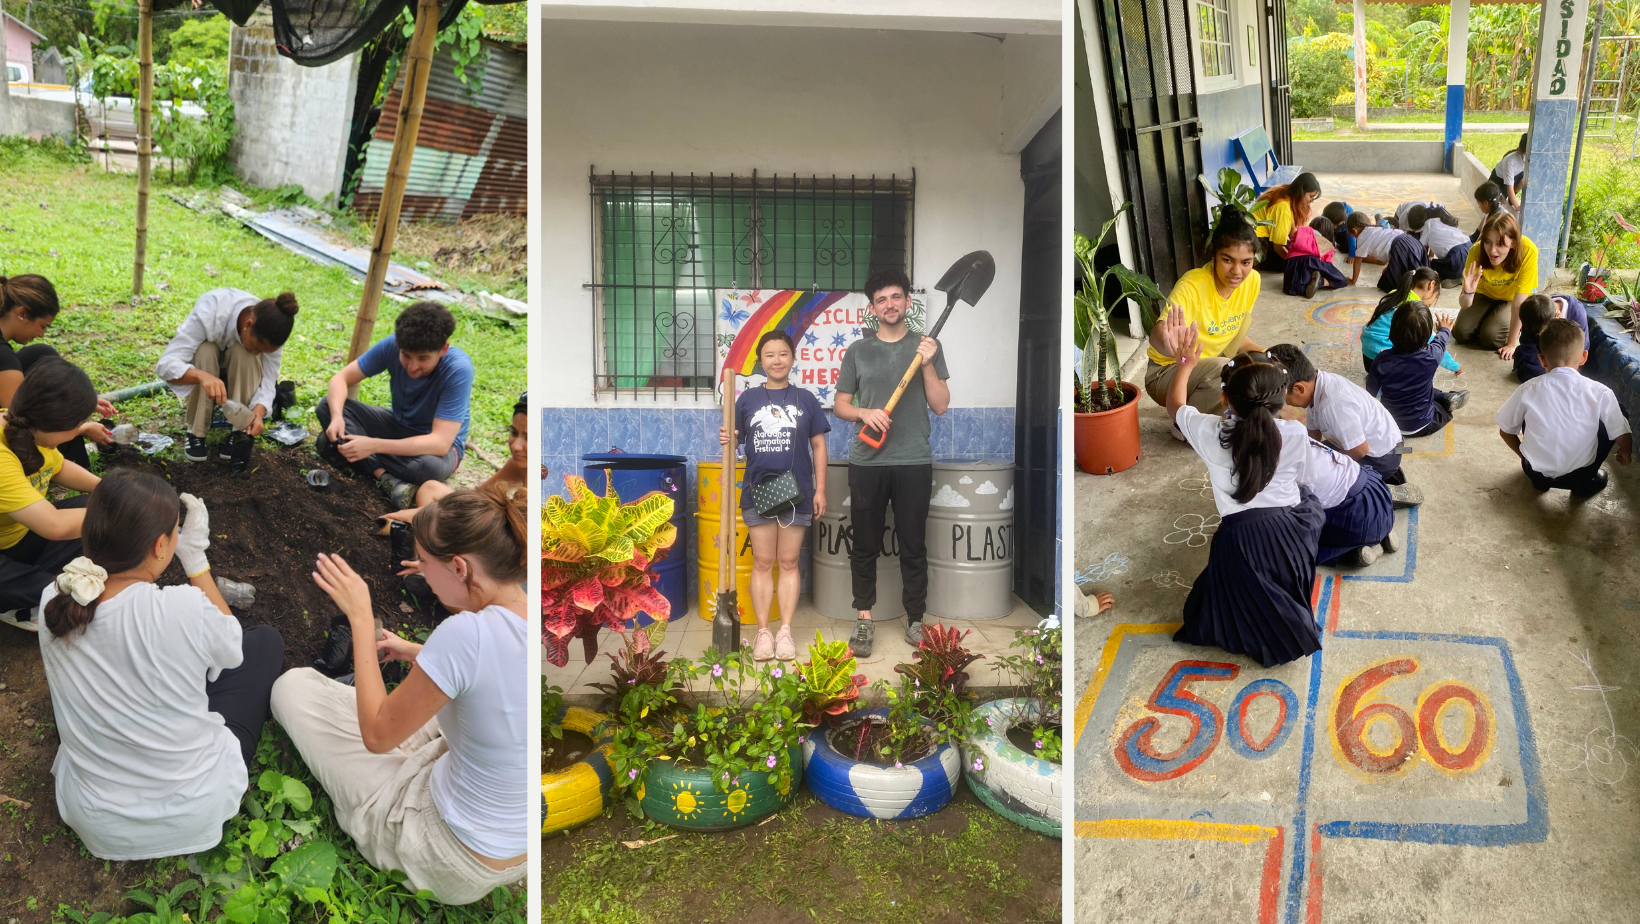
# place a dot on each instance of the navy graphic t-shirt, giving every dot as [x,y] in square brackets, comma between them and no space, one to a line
[776,426]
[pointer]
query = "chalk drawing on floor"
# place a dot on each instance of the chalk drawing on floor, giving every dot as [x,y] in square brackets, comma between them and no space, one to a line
[1200,485]
[1110,566]
[1193,530]
[1170,579]
[1603,753]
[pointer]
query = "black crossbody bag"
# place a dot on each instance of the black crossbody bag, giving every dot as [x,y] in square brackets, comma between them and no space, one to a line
[776,494]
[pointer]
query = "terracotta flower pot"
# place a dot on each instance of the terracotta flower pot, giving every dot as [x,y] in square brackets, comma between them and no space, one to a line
[1107,442]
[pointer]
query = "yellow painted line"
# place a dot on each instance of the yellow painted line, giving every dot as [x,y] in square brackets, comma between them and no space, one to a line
[1084,706]
[1152,829]
[1445,452]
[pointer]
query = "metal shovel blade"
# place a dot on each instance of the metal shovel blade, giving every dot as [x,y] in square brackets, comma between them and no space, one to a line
[968,278]
[726,622]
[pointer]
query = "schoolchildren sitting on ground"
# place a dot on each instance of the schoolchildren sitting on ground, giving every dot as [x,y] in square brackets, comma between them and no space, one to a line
[1500,273]
[1338,213]
[1398,251]
[38,536]
[1403,376]
[1343,413]
[1253,598]
[28,306]
[227,349]
[423,435]
[1360,512]
[158,695]
[1488,199]
[1421,284]
[1287,207]
[1309,263]
[1510,174]
[1448,247]
[1536,312]
[1562,424]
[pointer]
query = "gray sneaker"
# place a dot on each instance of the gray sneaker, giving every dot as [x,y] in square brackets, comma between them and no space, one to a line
[914,633]
[864,632]
[402,494]
[1405,495]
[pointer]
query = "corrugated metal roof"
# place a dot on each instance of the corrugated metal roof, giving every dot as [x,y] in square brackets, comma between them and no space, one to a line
[472,152]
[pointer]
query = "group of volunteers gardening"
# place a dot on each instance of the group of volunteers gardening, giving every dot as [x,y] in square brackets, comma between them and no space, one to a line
[1294,494]
[160,693]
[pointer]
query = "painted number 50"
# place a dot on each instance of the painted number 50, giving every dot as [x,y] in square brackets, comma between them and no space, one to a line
[1136,751]
[1356,709]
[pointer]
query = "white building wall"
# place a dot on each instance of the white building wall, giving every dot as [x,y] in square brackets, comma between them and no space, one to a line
[293,121]
[729,99]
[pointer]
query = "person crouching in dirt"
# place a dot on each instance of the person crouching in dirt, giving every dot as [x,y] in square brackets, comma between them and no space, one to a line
[158,694]
[37,536]
[430,779]
[226,354]
[423,436]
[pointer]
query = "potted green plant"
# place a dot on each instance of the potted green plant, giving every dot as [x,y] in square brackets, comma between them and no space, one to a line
[901,761]
[597,566]
[1014,759]
[1107,408]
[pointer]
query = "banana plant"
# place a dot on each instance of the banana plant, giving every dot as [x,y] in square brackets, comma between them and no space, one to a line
[1092,332]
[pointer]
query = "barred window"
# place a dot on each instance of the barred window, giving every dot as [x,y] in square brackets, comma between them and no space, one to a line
[663,243]
[1215,39]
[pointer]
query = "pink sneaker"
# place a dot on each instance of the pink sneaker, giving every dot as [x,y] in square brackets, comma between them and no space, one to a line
[783,647]
[763,648]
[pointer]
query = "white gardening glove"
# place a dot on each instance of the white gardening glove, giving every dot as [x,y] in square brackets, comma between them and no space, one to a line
[194,537]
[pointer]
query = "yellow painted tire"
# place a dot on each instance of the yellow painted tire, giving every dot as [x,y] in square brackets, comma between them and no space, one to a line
[580,793]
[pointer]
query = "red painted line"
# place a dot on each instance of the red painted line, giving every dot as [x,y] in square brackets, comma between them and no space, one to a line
[1269,892]
[1332,610]
[1312,909]
[1315,593]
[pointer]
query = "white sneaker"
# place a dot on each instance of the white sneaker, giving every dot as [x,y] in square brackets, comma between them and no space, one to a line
[17,618]
[763,646]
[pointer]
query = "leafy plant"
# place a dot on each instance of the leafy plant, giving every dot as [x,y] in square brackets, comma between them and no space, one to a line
[634,668]
[1234,192]
[597,565]
[940,660]
[1037,672]
[833,687]
[552,700]
[1092,332]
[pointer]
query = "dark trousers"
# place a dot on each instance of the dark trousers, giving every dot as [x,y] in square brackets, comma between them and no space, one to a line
[35,561]
[1583,482]
[379,422]
[1405,253]
[1442,412]
[74,450]
[871,489]
[1388,465]
[1451,265]
[240,695]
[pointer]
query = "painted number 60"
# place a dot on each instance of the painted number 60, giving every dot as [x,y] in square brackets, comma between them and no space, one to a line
[1136,751]
[1424,735]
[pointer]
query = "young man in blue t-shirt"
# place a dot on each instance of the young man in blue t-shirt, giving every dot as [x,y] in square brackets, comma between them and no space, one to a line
[422,437]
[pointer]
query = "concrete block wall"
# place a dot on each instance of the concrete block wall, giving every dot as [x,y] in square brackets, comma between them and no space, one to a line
[1371,157]
[38,118]
[294,121]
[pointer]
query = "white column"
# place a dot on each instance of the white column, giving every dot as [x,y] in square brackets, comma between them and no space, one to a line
[1361,65]
[1457,68]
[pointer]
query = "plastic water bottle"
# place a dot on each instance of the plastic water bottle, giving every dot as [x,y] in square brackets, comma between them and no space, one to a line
[125,434]
[239,416]
[237,594]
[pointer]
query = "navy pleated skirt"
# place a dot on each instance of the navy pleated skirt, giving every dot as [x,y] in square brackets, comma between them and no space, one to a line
[1253,598]
[1405,252]
[1363,517]
[1296,273]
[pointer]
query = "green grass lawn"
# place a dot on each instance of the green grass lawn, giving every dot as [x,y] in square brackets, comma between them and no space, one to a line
[75,224]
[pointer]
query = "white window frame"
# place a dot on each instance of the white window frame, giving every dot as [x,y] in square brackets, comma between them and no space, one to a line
[1206,83]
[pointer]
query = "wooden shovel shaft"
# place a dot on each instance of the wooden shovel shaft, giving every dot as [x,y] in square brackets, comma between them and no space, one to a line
[726,491]
[916,364]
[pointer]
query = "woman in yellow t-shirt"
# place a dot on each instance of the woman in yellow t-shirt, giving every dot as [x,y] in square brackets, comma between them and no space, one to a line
[1288,207]
[38,537]
[1217,300]
[1499,275]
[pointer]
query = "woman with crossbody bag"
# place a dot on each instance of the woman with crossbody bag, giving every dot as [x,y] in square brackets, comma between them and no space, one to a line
[784,430]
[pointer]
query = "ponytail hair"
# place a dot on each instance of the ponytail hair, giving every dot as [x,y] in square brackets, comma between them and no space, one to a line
[486,525]
[272,319]
[1411,279]
[31,292]
[1257,391]
[127,513]
[55,396]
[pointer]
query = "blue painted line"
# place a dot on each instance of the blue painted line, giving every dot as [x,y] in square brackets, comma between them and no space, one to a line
[1300,832]
[1406,575]
[1535,829]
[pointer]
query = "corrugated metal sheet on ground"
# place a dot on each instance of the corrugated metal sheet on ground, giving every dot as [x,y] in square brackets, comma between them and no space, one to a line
[284,228]
[472,152]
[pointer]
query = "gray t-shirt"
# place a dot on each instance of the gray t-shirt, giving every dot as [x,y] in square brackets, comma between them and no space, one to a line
[871,370]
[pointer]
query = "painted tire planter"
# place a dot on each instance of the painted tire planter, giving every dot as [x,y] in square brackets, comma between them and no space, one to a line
[580,793]
[870,791]
[684,797]
[1021,788]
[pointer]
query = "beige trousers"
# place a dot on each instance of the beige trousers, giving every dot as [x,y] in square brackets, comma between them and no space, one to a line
[383,801]
[1205,392]
[243,375]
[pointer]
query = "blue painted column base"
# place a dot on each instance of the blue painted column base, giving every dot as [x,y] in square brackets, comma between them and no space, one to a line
[1554,127]
[1454,122]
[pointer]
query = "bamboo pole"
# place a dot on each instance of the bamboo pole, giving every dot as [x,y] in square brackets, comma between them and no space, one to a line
[418,64]
[145,135]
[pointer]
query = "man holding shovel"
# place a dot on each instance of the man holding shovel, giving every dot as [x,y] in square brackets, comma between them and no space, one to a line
[899,470]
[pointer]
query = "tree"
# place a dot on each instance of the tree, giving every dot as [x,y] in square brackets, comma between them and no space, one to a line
[199,40]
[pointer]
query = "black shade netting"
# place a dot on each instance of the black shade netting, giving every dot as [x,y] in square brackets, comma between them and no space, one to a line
[317,32]
[237,10]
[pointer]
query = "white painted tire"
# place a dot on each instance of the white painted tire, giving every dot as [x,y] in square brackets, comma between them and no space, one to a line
[870,791]
[1021,788]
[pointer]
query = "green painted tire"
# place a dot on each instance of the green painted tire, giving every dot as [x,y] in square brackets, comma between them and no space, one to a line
[684,797]
[580,792]
[1021,788]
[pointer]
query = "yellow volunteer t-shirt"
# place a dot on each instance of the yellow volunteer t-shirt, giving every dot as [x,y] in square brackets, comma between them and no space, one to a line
[18,490]
[1503,285]
[1218,320]
[1279,211]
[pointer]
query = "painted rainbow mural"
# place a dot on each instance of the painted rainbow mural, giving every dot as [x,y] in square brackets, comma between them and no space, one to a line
[792,311]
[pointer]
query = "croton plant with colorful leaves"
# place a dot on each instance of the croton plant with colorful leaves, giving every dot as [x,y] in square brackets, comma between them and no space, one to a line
[597,565]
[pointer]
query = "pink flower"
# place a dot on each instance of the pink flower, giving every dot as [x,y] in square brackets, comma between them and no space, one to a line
[897,765]
[717,670]
[632,774]
[778,673]
[772,761]
[1039,745]
[979,765]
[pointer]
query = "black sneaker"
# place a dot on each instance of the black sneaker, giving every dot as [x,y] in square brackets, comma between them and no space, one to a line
[1596,485]
[336,658]
[1309,287]
[193,448]
[1405,495]
[239,451]
[401,493]
[864,632]
[1456,399]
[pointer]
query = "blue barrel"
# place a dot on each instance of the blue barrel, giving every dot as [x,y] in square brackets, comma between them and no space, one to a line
[634,475]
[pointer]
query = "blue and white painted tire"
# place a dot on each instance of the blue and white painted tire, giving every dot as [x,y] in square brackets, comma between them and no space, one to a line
[870,791]
[1021,788]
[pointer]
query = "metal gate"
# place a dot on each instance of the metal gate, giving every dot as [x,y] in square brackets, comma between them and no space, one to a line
[1147,46]
[1281,89]
[1037,449]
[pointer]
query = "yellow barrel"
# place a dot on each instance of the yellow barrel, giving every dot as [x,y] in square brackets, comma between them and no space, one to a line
[708,480]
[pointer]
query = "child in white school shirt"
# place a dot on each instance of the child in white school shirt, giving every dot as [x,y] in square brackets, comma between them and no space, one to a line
[1561,424]
[1342,412]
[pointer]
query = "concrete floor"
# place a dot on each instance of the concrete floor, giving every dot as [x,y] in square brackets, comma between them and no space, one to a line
[1521,603]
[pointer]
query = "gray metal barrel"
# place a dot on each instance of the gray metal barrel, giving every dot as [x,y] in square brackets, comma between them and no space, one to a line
[971,540]
[834,542]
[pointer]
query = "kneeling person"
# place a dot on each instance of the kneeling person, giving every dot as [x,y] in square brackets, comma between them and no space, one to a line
[423,435]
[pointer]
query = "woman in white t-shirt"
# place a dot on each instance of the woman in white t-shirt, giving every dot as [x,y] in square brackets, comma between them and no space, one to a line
[158,695]
[431,779]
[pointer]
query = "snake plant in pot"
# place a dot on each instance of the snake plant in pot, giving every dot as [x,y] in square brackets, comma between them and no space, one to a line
[1107,408]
